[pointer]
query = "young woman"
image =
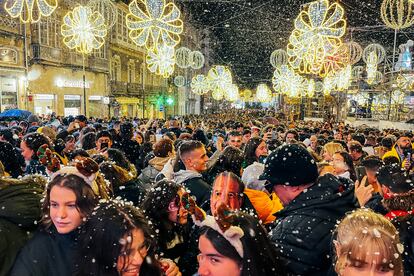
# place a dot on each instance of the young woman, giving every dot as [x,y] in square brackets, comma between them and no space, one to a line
[69,200]
[117,240]
[246,251]
[329,150]
[343,165]
[255,151]
[367,244]
[29,146]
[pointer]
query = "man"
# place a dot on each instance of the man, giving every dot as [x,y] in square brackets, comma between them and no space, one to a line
[302,230]
[356,152]
[81,121]
[401,149]
[194,157]
[235,139]
[127,144]
[247,134]
[103,142]
[291,136]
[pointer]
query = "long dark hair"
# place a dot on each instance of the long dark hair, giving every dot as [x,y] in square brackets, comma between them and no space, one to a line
[250,150]
[34,140]
[89,141]
[259,256]
[85,197]
[348,161]
[230,159]
[101,240]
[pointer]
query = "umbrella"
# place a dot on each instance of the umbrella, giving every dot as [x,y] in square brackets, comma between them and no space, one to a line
[15,113]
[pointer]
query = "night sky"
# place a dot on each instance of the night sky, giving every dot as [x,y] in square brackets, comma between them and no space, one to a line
[246,32]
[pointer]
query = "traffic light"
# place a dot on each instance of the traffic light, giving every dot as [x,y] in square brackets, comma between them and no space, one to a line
[169,101]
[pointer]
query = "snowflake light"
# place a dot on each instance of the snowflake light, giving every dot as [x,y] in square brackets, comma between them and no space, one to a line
[397,14]
[219,77]
[328,85]
[278,58]
[310,88]
[263,93]
[197,60]
[199,85]
[232,93]
[397,96]
[318,32]
[161,60]
[247,94]
[281,78]
[179,81]
[153,22]
[217,95]
[83,30]
[182,57]
[30,10]
[107,9]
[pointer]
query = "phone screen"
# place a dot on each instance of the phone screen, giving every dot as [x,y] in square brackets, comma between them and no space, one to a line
[360,173]
[104,146]
[214,139]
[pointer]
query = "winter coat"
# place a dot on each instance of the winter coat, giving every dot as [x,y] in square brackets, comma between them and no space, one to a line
[20,210]
[150,172]
[302,231]
[194,182]
[47,253]
[35,167]
[131,148]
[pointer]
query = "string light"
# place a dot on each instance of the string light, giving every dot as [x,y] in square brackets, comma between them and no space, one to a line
[343,78]
[179,81]
[161,60]
[278,58]
[232,93]
[310,88]
[152,22]
[219,77]
[30,11]
[318,32]
[328,85]
[182,57]
[336,61]
[83,30]
[197,60]
[263,93]
[397,14]
[199,85]
[107,9]
[377,49]
[372,62]
[354,51]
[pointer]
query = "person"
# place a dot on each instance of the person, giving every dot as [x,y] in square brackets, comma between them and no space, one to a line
[343,165]
[133,250]
[372,164]
[291,136]
[69,200]
[302,229]
[10,158]
[64,149]
[356,152]
[127,144]
[234,139]
[166,207]
[230,159]
[103,141]
[254,151]
[194,157]
[366,243]
[30,144]
[329,149]
[163,151]
[21,209]
[402,149]
[239,248]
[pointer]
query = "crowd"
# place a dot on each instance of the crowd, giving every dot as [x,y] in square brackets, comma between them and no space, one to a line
[241,193]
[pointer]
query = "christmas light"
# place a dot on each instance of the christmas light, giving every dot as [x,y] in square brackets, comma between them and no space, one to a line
[200,85]
[182,57]
[107,9]
[397,14]
[197,60]
[217,94]
[318,32]
[354,51]
[278,58]
[336,61]
[310,88]
[372,62]
[30,11]
[83,30]
[161,60]
[153,22]
[219,77]
[263,93]
[377,49]
[343,78]
[398,96]
[232,93]
[179,81]
[328,85]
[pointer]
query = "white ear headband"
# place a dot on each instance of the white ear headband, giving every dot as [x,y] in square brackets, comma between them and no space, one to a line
[73,170]
[232,234]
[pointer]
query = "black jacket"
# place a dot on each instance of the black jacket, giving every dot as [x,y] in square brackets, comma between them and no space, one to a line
[131,149]
[47,253]
[405,227]
[194,182]
[302,232]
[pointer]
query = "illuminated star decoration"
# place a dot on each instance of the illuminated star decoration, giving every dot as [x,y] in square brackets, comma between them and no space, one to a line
[161,60]
[30,10]
[219,78]
[318,32]
[199,85]
[263,93]
[152,22]
[83,30]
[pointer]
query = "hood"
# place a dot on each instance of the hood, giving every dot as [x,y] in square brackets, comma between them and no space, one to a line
[184,175]
[329,194]
[159,162]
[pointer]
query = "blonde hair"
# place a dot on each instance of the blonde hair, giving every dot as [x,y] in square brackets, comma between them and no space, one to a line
[363,233]
[333,148]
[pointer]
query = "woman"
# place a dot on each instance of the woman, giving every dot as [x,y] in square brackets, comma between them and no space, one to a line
[367,243]
[29,146]
[139,137]
[329,150]
[230,159]
[343,165]
[246,251]
[69,200]
[132,250]
[255,151]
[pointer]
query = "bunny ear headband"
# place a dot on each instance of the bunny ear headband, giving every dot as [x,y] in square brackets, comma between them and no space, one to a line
[222,224]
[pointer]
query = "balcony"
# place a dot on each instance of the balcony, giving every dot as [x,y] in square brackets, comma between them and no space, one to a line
[9,24]
[74,58]
[154,89]
[99,64]
[46,53]
[135,89]
[119,88]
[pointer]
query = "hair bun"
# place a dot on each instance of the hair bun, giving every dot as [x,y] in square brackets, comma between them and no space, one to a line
[87,166]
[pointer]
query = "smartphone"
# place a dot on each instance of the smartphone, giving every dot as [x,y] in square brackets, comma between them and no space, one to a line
[104,146]
[360,173]
[215,139]
[274,134]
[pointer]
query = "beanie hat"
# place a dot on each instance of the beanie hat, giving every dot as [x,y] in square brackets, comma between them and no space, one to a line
[33,119]
[290,165]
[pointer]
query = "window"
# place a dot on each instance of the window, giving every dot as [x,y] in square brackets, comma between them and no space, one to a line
[116,68]
[47,31]
[131,71]
[101,52]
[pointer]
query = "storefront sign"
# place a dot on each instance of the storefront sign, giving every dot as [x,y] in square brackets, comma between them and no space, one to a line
[72,83]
